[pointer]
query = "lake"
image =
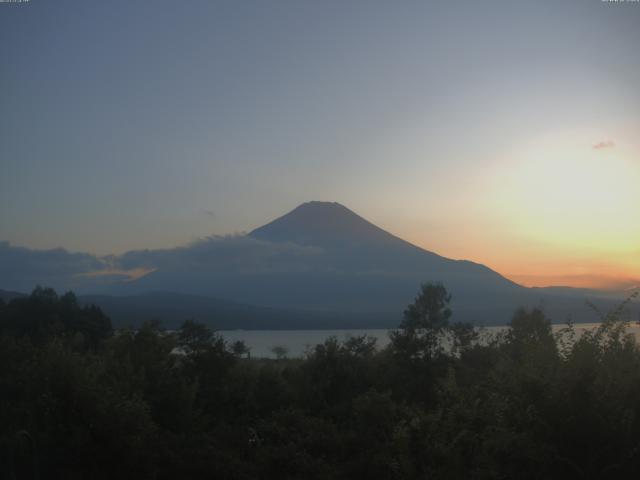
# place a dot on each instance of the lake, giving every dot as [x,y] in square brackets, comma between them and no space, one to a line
[298,341]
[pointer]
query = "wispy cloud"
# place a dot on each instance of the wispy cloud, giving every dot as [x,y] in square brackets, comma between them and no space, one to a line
[604,144]
[118,274]
[23,268]
[587,280]
[224,253]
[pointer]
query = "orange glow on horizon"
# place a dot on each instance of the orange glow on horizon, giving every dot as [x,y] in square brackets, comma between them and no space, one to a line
[559,210]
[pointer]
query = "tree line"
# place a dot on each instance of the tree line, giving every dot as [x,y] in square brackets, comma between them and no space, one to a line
[80,400]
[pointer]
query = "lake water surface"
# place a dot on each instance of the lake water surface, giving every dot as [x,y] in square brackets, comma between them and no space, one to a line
[298,341]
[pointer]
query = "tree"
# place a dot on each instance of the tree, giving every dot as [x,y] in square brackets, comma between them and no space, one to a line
[280,351]
[239,348]
[530,335]
[425,320]
[43,316]
[463,335]
[362,346]
[194,336]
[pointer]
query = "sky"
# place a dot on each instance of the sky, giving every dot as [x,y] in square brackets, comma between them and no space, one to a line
[502,132]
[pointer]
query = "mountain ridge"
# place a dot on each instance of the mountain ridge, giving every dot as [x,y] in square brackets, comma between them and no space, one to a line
[356,267]
[313,222]
[319,261]
[308,224]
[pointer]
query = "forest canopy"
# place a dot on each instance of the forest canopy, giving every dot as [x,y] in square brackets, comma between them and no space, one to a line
[80,400]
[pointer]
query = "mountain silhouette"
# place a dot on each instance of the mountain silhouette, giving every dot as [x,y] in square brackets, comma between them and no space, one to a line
[325,258]
[320,264]
[326,224]
[349,242]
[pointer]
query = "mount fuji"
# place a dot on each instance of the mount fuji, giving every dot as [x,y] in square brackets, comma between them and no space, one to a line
[319,266]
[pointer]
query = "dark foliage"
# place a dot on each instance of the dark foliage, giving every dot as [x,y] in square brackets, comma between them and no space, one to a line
[78,401]
[43,316]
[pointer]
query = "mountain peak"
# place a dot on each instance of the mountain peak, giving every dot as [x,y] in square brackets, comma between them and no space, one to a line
[316,206]
[323,224]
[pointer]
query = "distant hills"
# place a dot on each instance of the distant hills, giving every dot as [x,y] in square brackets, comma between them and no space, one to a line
[319,266]
[173,308]
[8,295]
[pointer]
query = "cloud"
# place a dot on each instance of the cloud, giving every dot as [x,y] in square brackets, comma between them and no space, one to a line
[587,280]
[22,268]
[116,274]
[237,253]
[604,144]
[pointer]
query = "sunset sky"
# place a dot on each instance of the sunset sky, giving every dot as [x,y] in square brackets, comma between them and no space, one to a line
[503,132]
